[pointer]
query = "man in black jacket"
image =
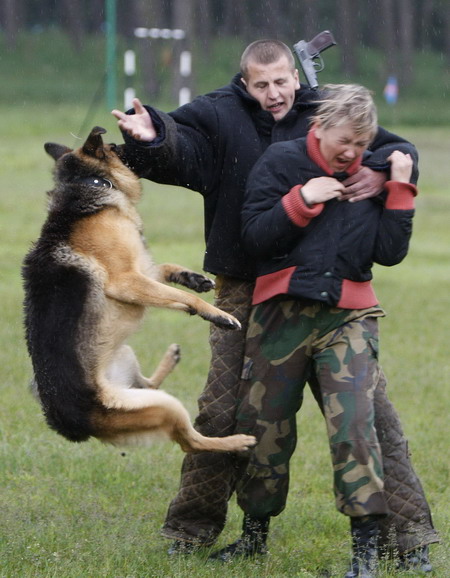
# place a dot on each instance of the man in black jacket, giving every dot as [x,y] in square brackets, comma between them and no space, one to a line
[210,146]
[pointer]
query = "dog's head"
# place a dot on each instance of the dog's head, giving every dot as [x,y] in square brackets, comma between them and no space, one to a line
[94,165]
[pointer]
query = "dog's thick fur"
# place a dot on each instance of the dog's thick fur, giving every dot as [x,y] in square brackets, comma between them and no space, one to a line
[88,280]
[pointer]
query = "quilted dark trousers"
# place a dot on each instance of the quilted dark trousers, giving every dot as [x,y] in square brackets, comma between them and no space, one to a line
[409,525]
[198,512]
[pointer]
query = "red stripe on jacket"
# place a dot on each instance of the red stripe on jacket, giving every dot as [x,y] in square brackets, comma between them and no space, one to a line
[354,294]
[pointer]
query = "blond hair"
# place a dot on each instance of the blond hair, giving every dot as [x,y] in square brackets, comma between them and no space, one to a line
[265,52]
[347,103]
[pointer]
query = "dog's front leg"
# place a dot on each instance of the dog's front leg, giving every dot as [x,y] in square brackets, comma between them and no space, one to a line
[171,273]
[137,289]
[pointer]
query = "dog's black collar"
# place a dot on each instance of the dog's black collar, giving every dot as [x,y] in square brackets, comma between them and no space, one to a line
[95,182]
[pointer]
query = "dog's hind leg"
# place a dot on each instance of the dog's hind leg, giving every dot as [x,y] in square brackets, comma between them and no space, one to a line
[124,369]
[191,440]
[180,430]
[167,364]
[137,417]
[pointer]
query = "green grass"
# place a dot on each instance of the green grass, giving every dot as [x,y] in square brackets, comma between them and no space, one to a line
[77,511]
[86,510]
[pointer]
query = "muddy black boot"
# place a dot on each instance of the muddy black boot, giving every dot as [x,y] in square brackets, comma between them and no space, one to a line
[365,547]
[417,560]
[251,543]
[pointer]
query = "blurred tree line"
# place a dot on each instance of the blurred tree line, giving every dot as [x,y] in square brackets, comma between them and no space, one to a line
[397,29]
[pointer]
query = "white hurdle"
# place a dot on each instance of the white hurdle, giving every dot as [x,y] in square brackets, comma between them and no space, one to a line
[185,65]
[129,68]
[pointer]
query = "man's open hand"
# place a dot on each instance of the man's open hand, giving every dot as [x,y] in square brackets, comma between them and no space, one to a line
[138,125]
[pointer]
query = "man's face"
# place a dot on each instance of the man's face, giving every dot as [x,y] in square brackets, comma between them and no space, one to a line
[273,85]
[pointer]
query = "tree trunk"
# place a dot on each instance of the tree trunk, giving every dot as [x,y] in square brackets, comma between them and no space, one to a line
[10,16]
[347,14]
[231,24]
[96,16]
[446,19]
[269,19]
[406,19]
[426,23]
[203,28]
[309,22]
[388,35]
[73,21]
[182,19]
[148,14]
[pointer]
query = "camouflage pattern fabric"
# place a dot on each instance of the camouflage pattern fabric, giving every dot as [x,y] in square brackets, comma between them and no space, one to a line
[198,512]
[287,341]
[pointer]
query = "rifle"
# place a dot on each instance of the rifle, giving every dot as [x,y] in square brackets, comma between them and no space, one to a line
[307,52]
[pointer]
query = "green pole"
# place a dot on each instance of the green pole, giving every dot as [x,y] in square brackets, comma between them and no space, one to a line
[111,53]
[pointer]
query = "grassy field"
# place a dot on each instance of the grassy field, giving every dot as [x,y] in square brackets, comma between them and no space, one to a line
[89,510]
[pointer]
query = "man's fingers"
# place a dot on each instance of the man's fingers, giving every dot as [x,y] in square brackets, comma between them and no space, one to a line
[360,197]
[354,189]
[350,181]
[118,114]
[138,107]
[353,196]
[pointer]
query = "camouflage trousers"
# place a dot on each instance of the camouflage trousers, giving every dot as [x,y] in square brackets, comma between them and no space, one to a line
[287,341]
[198,511]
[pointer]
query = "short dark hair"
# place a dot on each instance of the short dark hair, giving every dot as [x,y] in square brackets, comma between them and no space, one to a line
[265,52]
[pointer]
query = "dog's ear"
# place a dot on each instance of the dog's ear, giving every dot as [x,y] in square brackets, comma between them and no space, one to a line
[94,143]
[55,150]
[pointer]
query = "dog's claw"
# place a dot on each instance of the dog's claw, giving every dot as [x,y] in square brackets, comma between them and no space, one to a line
[228,323]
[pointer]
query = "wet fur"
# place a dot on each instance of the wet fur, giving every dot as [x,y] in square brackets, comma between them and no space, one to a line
[88,280]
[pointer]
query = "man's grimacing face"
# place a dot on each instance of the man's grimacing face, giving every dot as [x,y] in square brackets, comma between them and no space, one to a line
[273,86]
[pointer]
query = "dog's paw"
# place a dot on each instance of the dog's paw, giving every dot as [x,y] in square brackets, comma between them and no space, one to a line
[200,283]
[174,353]
[195,281]
[241,442]
[226,322]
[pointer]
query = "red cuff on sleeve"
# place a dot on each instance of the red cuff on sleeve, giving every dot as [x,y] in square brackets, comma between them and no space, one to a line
[296,208]
[400,196]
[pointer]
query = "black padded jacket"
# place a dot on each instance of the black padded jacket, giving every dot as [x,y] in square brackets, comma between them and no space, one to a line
[324,252]
[210,145]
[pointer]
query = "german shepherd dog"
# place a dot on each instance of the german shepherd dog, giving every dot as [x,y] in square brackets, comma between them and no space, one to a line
[88,280]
